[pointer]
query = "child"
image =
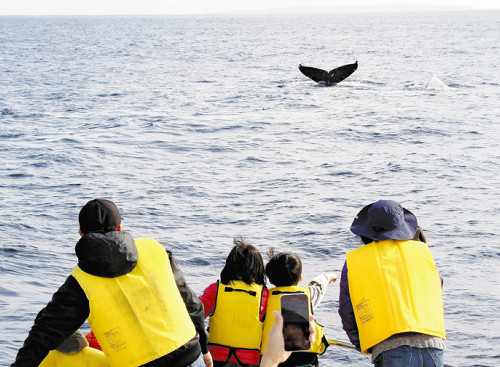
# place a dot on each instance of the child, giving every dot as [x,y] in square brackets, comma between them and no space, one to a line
[236,305]
[284,271]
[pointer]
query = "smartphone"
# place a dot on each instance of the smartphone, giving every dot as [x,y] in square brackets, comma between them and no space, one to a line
[295,312]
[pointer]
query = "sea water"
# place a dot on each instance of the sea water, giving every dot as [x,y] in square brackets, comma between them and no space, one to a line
[201,129]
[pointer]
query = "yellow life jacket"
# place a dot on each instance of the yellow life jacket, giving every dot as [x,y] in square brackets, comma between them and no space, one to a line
[394,288]
[235,322]
[87,357]
[140,316]
[274,304]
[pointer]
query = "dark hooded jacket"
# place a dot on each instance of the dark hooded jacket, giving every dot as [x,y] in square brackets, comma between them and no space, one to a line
[346,311]
[108,255]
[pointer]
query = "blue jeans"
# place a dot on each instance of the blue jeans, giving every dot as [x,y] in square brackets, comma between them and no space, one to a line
[405,356]
[198,363]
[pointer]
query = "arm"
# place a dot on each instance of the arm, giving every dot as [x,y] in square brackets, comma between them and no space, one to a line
[193,304]
[318,286]
[440,276]
[275,352]
[208,299]
[346,311]
[263,304]
[62,316]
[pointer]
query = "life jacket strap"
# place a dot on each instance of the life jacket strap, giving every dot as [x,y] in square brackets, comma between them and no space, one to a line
[229,289]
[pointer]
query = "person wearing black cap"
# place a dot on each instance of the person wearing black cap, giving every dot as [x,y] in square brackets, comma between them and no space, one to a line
[133,295]
[390,300]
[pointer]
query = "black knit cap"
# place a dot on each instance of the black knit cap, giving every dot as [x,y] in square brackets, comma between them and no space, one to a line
[99,215]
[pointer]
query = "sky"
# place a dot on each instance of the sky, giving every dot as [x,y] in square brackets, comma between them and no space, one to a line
[168,7]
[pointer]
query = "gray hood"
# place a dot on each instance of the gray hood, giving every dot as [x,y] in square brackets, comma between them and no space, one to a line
[108,255]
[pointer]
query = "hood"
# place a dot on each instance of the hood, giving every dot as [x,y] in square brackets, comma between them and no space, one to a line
[108,255]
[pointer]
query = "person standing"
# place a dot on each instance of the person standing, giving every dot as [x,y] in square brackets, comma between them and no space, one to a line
[133,295]
[390,298]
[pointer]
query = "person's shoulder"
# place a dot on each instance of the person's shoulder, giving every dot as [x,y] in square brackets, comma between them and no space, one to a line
[209,294]
[211,289]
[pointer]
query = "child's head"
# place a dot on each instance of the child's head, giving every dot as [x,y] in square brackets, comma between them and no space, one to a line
[244,263]
[283,269]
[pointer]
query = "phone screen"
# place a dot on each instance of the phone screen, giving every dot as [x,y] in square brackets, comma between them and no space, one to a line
[295,312]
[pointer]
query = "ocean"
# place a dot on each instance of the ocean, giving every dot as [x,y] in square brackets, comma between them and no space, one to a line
[202,128]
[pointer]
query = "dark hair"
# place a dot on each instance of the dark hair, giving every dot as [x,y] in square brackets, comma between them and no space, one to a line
[244,263]
[419,235]
[283,269]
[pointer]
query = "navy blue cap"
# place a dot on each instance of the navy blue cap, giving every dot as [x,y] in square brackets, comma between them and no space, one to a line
[385,220]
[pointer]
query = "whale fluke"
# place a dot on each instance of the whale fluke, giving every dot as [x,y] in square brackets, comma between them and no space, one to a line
[333,76]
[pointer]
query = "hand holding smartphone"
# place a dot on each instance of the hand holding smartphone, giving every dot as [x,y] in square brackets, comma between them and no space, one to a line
[295,312]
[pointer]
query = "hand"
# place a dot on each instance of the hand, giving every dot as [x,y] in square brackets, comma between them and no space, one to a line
[207,358]
[275,352]
[312,330]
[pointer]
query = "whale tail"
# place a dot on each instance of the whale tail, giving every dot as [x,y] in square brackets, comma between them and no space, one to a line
[342,72]
[328,77]
[315,74]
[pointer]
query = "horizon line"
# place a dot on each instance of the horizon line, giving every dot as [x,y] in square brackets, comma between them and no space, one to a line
[285,11]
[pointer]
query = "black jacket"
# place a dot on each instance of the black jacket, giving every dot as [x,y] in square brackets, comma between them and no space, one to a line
[106,255]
